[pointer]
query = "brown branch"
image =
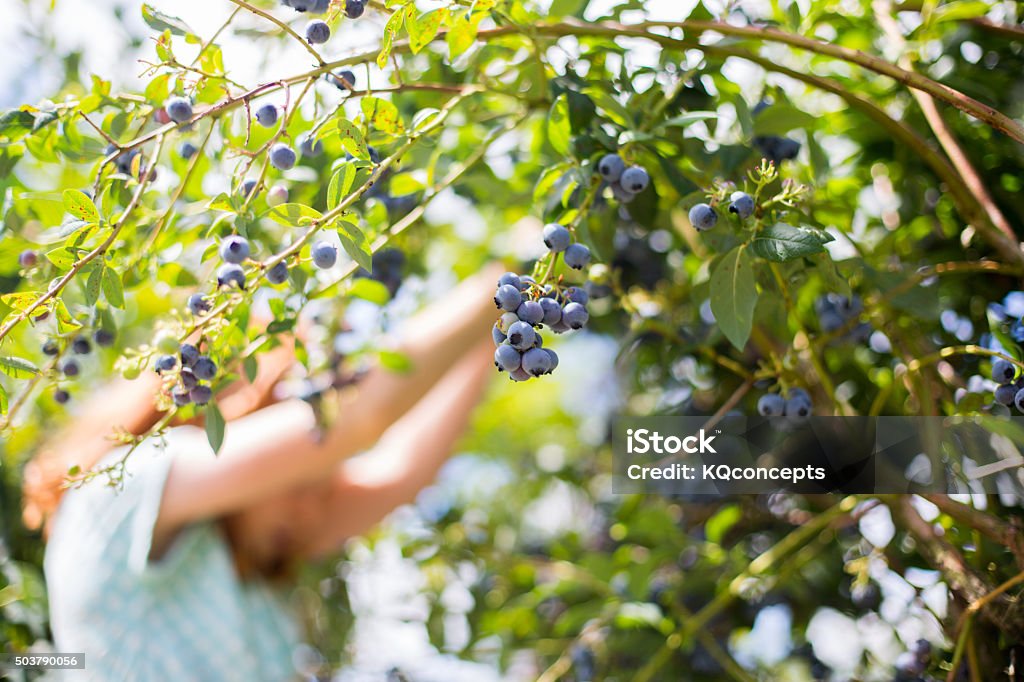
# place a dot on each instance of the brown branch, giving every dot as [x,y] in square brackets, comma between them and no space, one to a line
[1010,535]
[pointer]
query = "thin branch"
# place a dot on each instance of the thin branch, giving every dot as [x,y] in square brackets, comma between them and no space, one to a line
[283,26]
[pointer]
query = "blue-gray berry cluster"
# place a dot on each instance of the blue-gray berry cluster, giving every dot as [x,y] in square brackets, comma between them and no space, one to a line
[625,182]
[837,312]
[796,405]
[527,307]
[195,371]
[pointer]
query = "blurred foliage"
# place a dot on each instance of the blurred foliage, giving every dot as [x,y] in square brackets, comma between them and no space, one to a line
[602,587]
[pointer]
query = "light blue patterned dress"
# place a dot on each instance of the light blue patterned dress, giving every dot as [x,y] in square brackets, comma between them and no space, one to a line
[186,616]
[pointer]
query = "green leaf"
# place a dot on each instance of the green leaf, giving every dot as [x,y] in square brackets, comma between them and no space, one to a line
[352,140]
[92,285]
[614,109]
[3,404]
[113,290]
[369,290]
[690,117]
[62,257]
[559,131]
[395,361]
[424,28]
[22,300]
[294,215]
[734,296]
[782,242]
[462,34]
[79,205]
[341,183]
[781,118]
[391,30]
[251,367]
[158,21]
[354,242]
[382,115]
[17,368]
[214,427]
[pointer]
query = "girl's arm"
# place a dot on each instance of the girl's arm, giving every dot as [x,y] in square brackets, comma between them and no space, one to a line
[276,449]
[367,488]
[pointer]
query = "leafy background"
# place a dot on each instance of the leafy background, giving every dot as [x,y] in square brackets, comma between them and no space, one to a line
[520,564]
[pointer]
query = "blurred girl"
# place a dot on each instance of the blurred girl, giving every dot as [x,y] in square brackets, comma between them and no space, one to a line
[182,573]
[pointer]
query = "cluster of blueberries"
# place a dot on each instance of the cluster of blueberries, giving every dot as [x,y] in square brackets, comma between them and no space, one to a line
[703,217]
[70,367]
[353,8]
[836,312]
[1010,391]
[527,306]
[796,405]
[195,368]
[234,250]
[625,183]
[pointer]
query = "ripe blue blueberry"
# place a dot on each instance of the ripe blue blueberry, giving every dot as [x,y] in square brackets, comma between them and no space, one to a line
[187,150]
[575,315]
[197,304]
[560,327]
[179,109]
[188,379]
[103,337]
[70,368]
[553,358]
[181,398]
[282,157]
[525,282]
[771,405]
[165,363]
[521,336]
[319,6]
[798,403]
[556,237]
[577,256]
[277,195]
[300,5]
[1018,400]
[234,249]
[354,8]
[703,217]
[552,311]
[506,321]
[530,312]
[635,179]
[204,368]
[317,32]
[520,375]
[51,347]
[742,204]
[536,362]
[27,259]
[1004,395]
[310,146]
[278,274]
[81,346]
[577,294]
[538,340]
[611,167]
[1003,371]
[249,188]
[509,278]
[498,335]
[507,297]
[324,254]
[61,397]
[507,358]
[201,395]
[620,194]
[343,80]
[189,354]
[266,115]
[231,275]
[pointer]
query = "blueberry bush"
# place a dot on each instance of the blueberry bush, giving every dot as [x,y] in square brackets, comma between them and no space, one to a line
[792,208]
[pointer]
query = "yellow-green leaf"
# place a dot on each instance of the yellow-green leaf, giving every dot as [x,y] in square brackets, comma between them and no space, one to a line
[382,115]
[391,30]
[352,140]
[424,28]
[354,242]
[17,368]
[79,205]
[294,215]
